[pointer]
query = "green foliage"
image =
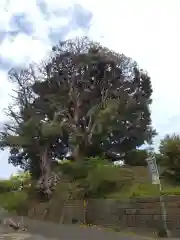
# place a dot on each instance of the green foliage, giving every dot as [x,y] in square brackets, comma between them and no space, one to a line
[21,176]
[136,157]
[14,183]
[170,156]
[108,178]
[13,201]
[171,191]
[12,196]
[80,169]
[143,190]
[159,159]
[9,185]
[95,177]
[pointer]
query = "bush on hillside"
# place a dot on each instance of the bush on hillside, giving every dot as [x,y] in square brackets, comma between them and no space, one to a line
[13,201]
[170,156]
[95,177]
[136,157]
[9,185]
[12,197]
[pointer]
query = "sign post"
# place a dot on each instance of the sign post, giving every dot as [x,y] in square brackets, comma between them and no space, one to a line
[153,168]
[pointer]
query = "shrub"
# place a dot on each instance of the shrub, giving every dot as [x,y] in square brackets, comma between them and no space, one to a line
[95,177]
[8,186]
[108,178]
[13,201]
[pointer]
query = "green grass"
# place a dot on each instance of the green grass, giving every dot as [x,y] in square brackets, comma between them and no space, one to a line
[13,200]
[142,190]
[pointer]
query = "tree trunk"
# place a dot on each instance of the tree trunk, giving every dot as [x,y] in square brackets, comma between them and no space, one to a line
[78,152]
[45,170]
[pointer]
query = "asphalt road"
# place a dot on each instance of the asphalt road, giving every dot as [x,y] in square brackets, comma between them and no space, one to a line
[28,236]
[68,233]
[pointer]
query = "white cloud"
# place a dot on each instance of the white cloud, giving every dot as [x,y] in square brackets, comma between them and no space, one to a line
[4,19]
[5,90]
[6,170]
[75,33]
[19,6]
[24,49]
[53,5]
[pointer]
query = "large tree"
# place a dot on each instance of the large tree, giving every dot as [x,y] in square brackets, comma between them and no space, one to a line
[85,98]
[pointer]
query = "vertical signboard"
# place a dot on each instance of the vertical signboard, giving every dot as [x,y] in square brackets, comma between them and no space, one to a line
[153,170]
[152,165]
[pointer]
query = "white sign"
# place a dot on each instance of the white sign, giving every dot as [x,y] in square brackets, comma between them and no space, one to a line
[155,179]
[153,170]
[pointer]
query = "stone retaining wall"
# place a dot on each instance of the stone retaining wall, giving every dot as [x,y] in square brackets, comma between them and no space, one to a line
[137,213]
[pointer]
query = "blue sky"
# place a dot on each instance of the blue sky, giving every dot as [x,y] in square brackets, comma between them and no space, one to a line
[147,31]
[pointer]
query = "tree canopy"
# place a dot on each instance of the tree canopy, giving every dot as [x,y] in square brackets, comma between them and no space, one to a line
[84,99]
